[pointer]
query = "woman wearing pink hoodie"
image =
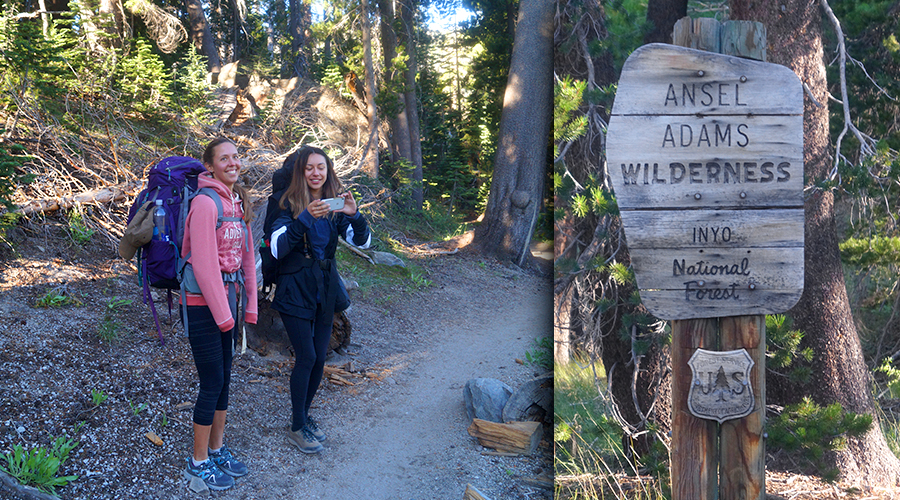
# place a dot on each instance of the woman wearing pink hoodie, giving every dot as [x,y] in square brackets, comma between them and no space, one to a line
[220,255]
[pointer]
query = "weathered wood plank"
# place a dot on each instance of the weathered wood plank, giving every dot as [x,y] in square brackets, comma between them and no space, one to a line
[689,137]
[775,228]
[742,461]
[671,304]
[767,269]
[660,76]
[693,447]
[701,34]
[744,39]
[514,437]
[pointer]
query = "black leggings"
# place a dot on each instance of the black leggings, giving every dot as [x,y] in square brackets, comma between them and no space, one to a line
[212,350]
[310,340]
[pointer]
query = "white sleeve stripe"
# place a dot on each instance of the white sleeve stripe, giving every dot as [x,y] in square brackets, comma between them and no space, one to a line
[348,237]
[274,242]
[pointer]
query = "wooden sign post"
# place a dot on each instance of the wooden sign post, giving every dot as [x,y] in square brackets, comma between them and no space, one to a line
[705,152]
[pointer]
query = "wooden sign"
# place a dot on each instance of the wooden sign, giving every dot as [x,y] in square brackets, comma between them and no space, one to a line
[705,152]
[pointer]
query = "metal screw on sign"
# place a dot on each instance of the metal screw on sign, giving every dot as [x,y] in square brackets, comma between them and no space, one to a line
[752,286]
[697,196]
[743,195]
[700,73]
[743,79]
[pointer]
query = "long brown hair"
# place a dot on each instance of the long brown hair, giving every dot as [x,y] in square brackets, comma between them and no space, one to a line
[297,196]
[238,186]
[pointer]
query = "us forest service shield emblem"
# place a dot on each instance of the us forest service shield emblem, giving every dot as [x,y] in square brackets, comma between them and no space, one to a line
[720,388]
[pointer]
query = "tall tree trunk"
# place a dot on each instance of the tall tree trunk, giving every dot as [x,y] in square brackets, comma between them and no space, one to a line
[520,165]
[823,313]
[408,15]
[399,139]
[663,14]
[114,9]
[88,20]
[235,31]
[370,156]
[300,21]
[202,37]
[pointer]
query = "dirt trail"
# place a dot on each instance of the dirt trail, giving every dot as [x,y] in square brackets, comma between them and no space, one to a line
[405,438]
[417,446]
[400,436]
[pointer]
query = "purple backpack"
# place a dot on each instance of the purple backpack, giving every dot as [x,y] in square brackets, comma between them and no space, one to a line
[173,180]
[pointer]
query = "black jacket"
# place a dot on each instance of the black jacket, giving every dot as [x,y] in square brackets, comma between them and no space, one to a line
[303,282]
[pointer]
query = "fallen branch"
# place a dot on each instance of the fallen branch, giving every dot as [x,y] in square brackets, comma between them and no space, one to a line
[357,251]
[96,196]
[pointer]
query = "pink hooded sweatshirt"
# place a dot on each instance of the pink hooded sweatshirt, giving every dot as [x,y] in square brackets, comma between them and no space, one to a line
[214,251]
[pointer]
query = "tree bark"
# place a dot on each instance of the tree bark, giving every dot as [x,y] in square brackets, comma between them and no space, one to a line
[520,164]
[398,138]
[370,157]
[236,22]
[663,14]
[114,9]
[202,36]
[823,312]
[408,15]
[299,23]
[87,18]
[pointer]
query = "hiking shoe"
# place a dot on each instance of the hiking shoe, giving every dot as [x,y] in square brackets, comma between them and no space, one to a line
[314,428]
[228,464]
[210,474]
[304,440]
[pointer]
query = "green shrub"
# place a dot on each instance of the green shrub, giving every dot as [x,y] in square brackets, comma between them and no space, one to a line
[11,174]
[55,298]
[98,397]
[109,325]
[39,466]
[542,353]
[77,229]
[810,430]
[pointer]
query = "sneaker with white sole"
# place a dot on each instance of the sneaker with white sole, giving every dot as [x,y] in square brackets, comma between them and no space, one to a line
[210,474]
[304,440]
[227,463]
[314,428]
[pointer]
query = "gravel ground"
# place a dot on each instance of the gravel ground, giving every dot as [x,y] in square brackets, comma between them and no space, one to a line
[397,431]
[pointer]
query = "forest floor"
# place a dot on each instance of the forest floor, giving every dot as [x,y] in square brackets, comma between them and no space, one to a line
[398,431]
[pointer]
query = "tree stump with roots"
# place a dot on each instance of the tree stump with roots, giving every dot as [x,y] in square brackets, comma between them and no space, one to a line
[268,335]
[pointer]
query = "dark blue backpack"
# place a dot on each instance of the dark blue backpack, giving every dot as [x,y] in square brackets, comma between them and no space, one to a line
[173,180]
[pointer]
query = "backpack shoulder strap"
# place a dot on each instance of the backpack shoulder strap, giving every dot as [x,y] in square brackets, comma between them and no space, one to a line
[208,191]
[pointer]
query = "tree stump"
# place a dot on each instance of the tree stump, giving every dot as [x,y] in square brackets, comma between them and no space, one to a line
[268,335]
[531,401]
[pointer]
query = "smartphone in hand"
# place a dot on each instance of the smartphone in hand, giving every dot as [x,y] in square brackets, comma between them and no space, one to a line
[334,203]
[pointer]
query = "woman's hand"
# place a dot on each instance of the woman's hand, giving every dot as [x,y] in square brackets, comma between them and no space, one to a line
[317,208]
[349,204]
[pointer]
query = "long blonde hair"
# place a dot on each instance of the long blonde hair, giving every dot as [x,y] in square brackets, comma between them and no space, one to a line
[297,196]
[238,186]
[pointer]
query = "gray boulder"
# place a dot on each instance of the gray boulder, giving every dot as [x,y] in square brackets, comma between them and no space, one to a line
[485,398]
[387,259]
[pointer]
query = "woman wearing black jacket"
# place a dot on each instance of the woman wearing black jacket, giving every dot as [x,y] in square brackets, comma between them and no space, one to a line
[304,240]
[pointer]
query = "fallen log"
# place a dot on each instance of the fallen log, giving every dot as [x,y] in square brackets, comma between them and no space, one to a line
[96,196]
[513,437]
[357,251]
